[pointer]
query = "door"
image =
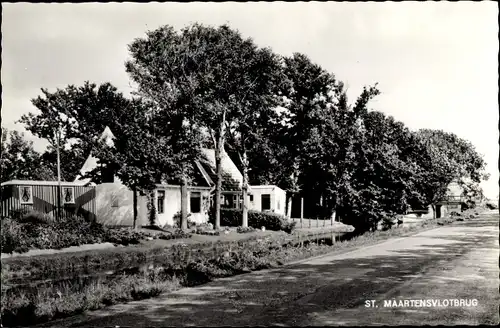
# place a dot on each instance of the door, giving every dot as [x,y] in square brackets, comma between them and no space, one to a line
[265,201]
[438,211]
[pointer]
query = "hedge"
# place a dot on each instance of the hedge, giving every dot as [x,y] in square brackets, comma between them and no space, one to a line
[34,230]
[256,219]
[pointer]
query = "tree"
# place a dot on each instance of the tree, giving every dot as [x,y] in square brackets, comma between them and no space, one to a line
[140,155]
[449,158]
[19,160]
[384,181]
[77,115]
[255,112]
[204,74]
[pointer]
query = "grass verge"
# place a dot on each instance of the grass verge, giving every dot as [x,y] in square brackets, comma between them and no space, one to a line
[182,268]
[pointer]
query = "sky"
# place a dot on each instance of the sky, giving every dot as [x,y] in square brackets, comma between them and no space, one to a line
[435,62]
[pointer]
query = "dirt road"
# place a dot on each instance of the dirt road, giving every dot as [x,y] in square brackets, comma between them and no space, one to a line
[452,262]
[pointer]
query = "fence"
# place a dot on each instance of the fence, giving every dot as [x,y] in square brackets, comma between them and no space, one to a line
[314,223]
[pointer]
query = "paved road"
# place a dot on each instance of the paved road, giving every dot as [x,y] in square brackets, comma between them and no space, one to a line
[452,262]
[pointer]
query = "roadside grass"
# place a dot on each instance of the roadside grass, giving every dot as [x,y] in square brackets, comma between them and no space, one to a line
[181,268]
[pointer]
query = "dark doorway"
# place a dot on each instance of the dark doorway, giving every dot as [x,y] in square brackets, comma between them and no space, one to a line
[265,202]
[438,211]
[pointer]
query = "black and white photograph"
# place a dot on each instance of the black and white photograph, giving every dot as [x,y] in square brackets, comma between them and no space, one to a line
[242,164]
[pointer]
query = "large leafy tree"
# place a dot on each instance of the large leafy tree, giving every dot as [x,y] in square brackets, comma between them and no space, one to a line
[449,158]
[205,75]
[76,116]
[19,160]
[383,180]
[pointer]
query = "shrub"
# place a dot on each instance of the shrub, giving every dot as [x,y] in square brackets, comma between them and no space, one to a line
[256,219]
[35,217]
[289,226]
[491,206]
[13,236]
[209,233]
[123,236]
[245,229]
[19,213]
[178,234]
[177,220]
[454,213]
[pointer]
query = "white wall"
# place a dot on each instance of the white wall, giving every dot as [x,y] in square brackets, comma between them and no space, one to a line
[173,205]
[278,198]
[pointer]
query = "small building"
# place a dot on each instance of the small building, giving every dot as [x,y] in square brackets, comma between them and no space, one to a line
[42,196]
[453,201]
[268,198]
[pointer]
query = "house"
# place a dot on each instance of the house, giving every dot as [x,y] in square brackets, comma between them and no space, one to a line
[42,196]
[453,201]
[268,198]
[115,201]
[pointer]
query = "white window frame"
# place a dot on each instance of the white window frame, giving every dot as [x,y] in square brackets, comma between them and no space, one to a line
[64,195]
[30,201]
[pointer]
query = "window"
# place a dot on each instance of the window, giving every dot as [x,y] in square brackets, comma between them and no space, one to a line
[26,194]
[160,201]
[107,175]
[266,202]
[68,195]
[229,201]
[114,201]
[251,198]
[195,202]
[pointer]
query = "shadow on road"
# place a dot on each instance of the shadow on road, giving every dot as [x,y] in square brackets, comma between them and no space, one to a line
[289,295]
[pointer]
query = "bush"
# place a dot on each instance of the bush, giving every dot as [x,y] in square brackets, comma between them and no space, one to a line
[491,206]
[39,231]
[245,229]
[453,213]
[177,220]
[256,219]
[178,234]
[123,236]
[13,236]
[387,223]
[34,217]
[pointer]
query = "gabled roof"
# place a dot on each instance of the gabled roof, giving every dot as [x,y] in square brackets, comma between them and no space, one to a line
[232,179]
[91,162]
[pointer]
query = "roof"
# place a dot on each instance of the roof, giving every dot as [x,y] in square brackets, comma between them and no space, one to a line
[91,162]
[267,187]
[232,180]
[198,178]
[41,183]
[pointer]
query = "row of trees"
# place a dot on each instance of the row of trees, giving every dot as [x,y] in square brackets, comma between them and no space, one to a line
[286,120]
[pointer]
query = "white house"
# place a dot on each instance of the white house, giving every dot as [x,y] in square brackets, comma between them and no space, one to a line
[115,201]
[268,198]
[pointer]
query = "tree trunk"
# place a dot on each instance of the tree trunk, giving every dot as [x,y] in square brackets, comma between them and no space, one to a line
[184,209]
[219,148]
[152,207]
[244,221]
[433,211]
[288,205]
[135,208]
